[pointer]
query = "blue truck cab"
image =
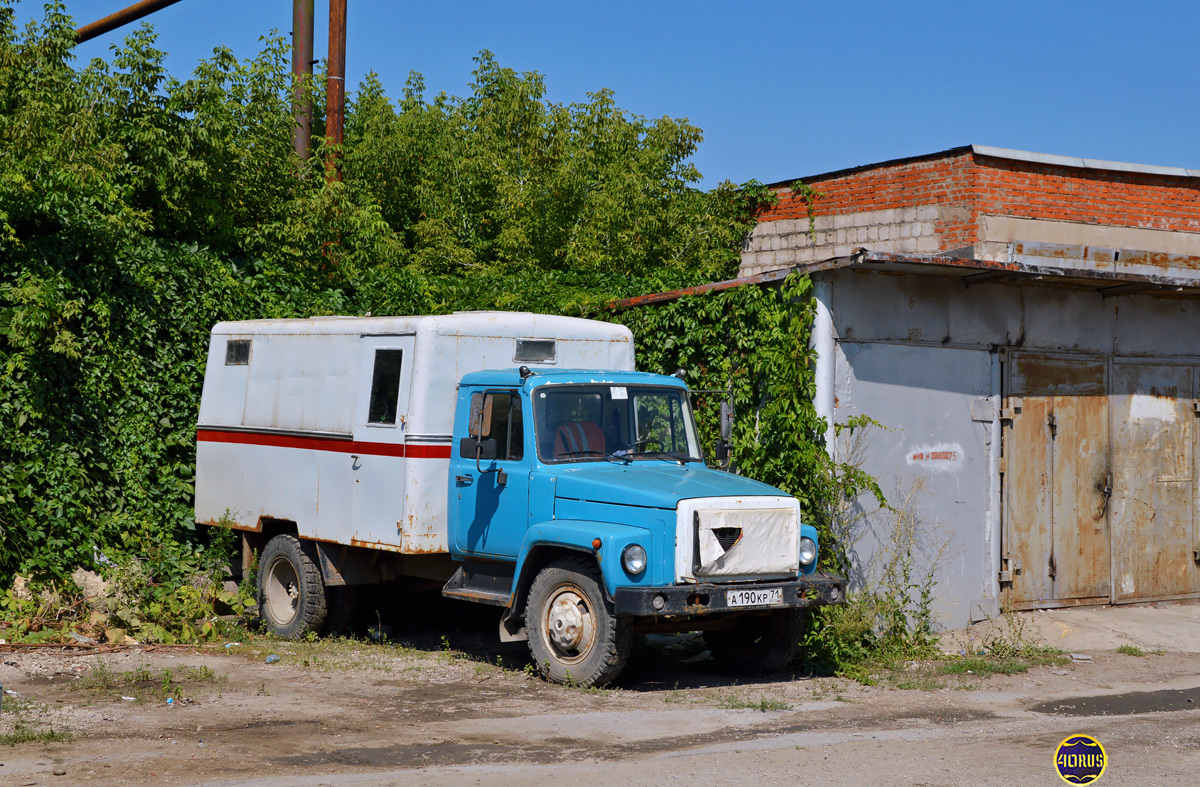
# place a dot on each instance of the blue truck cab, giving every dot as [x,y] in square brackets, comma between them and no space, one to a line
[580,503]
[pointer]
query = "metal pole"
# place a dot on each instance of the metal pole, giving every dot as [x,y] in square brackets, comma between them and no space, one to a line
[335,91]
[302,63]
[122,17]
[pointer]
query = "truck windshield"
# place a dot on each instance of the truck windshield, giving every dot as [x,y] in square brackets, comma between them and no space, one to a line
[582,423]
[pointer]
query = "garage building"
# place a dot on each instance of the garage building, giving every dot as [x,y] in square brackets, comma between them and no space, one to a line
[1026,328]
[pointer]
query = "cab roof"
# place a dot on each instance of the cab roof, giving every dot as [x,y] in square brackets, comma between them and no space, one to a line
[540,376]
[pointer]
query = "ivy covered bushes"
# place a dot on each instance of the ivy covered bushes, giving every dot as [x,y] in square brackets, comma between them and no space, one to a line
[137,209]
[754,342]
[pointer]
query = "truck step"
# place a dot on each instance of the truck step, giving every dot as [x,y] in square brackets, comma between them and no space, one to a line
[482,583]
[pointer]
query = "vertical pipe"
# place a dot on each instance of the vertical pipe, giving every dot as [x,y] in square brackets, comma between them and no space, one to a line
[302,63]
[335,92]
[822,341]
[995,515]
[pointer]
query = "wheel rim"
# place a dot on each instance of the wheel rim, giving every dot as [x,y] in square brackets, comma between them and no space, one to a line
[282,591]
[569,624]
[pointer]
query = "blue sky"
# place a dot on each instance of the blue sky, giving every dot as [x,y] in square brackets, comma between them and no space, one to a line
[781,90]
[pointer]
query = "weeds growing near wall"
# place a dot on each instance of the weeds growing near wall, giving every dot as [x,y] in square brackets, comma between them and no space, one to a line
[890,617]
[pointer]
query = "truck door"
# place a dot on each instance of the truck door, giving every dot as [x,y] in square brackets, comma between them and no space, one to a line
[491,508]
[377,463]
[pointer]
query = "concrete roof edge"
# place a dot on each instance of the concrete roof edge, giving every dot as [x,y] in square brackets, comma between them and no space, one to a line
[1081,163]
[1049,159]
[863,167]
[863,256]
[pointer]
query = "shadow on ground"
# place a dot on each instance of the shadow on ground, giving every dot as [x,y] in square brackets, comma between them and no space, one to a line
[417,616]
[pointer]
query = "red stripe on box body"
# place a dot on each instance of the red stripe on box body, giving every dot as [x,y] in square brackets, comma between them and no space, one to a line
[343,445]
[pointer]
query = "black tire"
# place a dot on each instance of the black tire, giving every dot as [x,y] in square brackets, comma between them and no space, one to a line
[590,650]
[759,644]
[291,593]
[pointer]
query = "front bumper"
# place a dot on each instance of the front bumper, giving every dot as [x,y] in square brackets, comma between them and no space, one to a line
[814,590]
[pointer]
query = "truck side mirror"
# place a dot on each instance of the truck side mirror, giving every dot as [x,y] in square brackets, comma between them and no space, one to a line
[485,425]
[480,423]
[725,423]
[726,418]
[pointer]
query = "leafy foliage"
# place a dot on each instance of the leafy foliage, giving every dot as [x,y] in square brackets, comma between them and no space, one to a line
[137,210]
[750,344]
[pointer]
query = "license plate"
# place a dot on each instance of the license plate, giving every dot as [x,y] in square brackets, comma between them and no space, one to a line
[754,598]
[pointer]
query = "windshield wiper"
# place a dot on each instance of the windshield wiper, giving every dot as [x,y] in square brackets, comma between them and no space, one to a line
[661,455]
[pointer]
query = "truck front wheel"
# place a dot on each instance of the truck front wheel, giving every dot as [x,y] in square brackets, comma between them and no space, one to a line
[291,593]
[759,644]
[574,635]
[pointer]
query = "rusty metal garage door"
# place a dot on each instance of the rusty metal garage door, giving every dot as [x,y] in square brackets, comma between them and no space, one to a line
[1056,452]
[1154,495]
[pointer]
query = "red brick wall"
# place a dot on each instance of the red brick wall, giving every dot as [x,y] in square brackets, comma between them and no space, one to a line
[979,184]
[1119,199]
[944,180]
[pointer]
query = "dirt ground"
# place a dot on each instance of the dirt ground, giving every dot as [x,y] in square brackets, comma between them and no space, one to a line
[446,704]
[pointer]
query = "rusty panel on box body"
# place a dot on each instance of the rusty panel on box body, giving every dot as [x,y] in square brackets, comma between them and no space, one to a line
[375,483]
[1153,489]
[243,483]
[1056,451]
[931,459]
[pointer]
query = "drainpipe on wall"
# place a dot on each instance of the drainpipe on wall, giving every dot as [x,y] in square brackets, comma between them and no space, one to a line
[822,340]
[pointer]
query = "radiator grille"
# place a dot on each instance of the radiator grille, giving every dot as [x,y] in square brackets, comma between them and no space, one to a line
[727,536]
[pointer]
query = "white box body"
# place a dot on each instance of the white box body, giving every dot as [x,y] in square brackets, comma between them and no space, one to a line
[284,432]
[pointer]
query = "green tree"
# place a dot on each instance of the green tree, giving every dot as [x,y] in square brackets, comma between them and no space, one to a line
[136,210]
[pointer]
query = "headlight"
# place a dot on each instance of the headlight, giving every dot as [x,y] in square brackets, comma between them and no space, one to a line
[808,551]
[633,557]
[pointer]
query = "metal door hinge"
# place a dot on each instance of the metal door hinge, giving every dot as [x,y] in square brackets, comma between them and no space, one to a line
[1196,406]
[1052,422]
[982,410]
[1005,576]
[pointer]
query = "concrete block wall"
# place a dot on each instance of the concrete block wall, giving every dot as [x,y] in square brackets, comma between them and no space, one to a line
[941,203]
[920,207]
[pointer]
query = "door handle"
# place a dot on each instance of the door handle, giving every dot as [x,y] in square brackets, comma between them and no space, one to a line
[1105,490]
[464,479]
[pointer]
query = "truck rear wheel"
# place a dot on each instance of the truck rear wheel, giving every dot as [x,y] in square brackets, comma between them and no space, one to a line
[759,644]
[574,635]
[291,593]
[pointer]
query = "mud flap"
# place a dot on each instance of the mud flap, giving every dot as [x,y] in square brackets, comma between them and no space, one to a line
[512,630]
